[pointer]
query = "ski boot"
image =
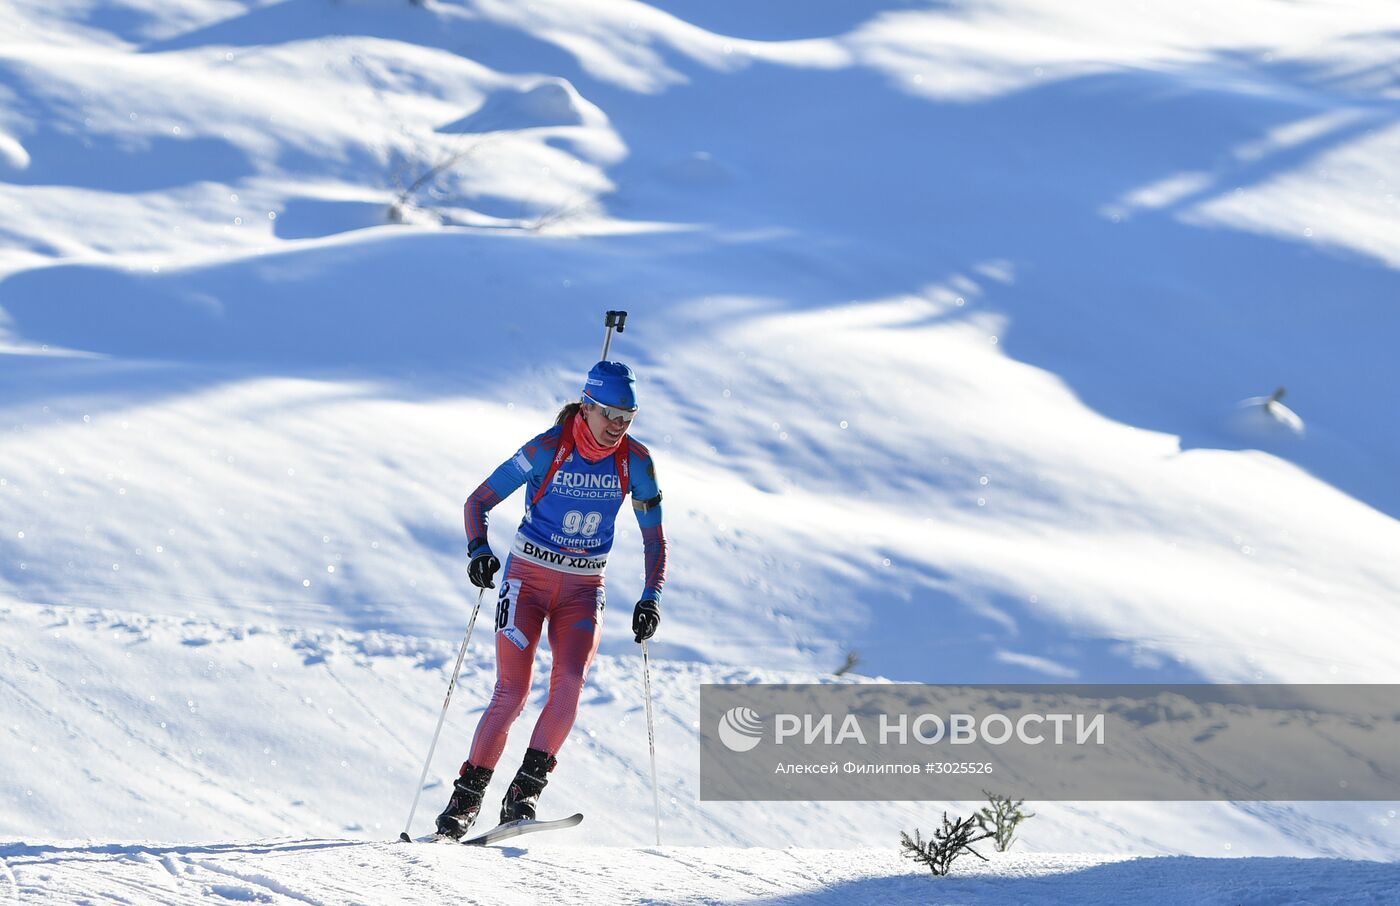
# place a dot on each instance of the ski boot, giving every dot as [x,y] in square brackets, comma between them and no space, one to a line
[465,803]
[524,793]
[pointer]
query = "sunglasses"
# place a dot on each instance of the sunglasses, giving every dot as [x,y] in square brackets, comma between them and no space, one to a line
[612,413]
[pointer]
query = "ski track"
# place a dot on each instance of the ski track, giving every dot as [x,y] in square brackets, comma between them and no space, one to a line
[322,872]
[375,719]
[266,882]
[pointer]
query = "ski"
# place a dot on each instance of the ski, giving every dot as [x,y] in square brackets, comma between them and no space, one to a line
[523,826]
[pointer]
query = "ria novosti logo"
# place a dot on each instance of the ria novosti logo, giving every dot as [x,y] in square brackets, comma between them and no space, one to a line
[740,729]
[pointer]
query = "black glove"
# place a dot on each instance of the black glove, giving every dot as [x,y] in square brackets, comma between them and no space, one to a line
[645,617]
[483,566]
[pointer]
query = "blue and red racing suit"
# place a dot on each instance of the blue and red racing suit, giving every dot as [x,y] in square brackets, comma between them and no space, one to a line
[555,571]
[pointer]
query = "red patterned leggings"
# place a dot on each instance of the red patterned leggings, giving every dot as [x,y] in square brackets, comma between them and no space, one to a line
[573,605]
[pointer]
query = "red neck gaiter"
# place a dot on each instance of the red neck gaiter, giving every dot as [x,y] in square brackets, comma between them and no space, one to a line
[586,444]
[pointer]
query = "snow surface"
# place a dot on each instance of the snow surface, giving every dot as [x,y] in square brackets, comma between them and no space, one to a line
[318,871]
[956,325]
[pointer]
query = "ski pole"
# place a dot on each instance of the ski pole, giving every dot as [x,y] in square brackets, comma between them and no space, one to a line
[613,319]
[651,741]
[461,653]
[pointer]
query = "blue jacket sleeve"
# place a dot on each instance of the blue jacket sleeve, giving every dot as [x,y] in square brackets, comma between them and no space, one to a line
[646,503]
[528,465]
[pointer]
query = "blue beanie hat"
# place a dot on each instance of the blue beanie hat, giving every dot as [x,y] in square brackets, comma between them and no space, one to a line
[612,384]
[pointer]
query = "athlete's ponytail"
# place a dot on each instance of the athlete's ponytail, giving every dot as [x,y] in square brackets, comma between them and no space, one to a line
[567,412]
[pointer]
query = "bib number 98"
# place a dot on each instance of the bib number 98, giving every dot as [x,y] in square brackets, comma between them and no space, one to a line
[503,607]
[577,523]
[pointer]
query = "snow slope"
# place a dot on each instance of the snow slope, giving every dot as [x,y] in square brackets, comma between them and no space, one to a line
[944,315]
[127,727]
[1014,406]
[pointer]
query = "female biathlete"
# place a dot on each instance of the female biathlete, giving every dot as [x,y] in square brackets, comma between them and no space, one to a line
[576,476]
